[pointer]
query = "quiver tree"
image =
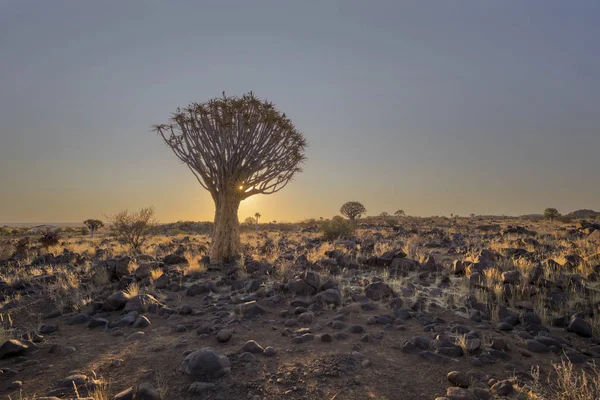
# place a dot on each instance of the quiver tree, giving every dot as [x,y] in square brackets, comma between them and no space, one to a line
[353,210]
[257,217]
[551,214]
[93,225]
[236,147]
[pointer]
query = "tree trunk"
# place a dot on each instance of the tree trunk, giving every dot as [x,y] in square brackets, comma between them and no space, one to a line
[226,231]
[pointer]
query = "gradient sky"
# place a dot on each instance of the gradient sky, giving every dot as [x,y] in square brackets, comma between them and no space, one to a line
[434,107]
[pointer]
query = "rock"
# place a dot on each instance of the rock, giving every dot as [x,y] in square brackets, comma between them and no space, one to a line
[378,291]
[162,282]
[299,287]
[457,393]
[536,347]
[305,318]
[141,322]
[12,347]
[459,379]
[144,271]
[96,322]
[78,319]
[128,319]
[48,328]
[224,335]
[269,351]
[115,301]
[201,388]
[252,347]
[147,392]
[251,309]
[206,362]
[329,297]
[356,329]
[502,388]
[580,327]
[174,259]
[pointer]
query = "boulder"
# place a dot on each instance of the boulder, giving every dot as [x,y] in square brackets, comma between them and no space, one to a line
[206,362]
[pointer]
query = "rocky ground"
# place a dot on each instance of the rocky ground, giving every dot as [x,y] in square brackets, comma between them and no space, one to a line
[428,308]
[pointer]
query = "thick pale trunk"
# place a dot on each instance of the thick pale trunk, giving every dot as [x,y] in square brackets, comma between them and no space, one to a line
[226,231]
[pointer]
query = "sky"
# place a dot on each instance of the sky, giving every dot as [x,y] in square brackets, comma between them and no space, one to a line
[430,106]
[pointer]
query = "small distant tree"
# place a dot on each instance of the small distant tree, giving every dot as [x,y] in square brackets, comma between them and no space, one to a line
[384,214]
[134,228]
[551,214]
[400,213]
[49,239]
[93,225]
[353,210]
[250,221]
[257,217]
[472,215]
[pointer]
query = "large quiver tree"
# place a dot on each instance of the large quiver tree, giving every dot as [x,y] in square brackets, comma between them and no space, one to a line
[236,147]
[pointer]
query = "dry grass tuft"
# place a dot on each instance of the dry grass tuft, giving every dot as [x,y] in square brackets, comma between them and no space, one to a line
[565,383]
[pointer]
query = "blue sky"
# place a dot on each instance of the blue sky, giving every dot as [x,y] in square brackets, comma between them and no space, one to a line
[434,107]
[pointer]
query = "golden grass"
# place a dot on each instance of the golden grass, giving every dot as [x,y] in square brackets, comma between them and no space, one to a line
[565,382]
[132,290]
[193,266]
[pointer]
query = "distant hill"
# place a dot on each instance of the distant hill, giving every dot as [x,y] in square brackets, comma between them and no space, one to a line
[583,214]
[532,216]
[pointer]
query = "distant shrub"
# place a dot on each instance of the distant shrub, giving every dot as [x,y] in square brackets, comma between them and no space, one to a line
[49,239]
[551,214]
[5,250]
[84,231]
[337,228]
[133,229]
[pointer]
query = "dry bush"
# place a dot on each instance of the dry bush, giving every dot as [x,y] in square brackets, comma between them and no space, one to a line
[565,382]
[337,228]
[6,250]
[134,228]
[193,266]
[49,239]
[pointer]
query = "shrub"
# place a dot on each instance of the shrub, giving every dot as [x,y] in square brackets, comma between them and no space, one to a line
[133,229]
[551,214]
[337,228]
[49,239]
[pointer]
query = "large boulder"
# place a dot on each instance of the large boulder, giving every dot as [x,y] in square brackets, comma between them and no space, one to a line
[174,259]
[251,309]
[329,297]
[307,284]
[12,348]
[206,362]
[115,301]
[580,327]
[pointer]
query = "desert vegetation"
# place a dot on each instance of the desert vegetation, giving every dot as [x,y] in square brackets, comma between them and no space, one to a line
[448,308]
